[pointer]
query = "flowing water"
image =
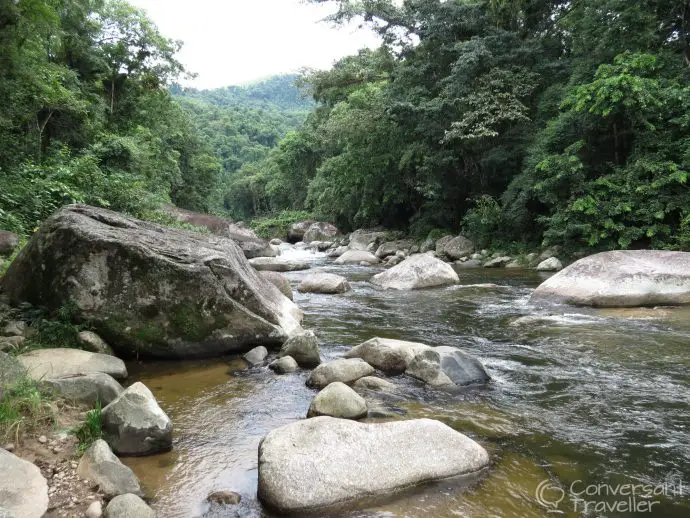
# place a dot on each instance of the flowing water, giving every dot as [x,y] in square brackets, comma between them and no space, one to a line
[579,397]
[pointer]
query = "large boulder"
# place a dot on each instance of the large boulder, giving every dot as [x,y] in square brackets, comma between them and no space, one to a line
[327,283]
[134,424]
[456,247]
[338,400]
[8,242]
[362,239]
[416,272]
[624,278]
[279,281]
[392,247]
[101,467]
[297,230]
[128,506]
[90,341]
[270,264]
[66,363]
[357,257]
[320,232]
[23,489]
[149,290]
[304,348]
[446,367]
[346,370]
[251,245]
[87,389]
[346,461]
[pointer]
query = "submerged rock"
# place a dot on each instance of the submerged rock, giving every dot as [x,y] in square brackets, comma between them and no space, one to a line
[304,348]
[338,400]
[624,278]
[224,498]
[87,389]
[134,424]
[345,370]
[345,461]
[284,365]
[149,290]
[23,489]
[416,272]
[327,283]
[357,257]
[66,363]
[101,467]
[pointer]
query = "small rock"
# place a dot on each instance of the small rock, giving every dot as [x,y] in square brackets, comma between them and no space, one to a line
[304,348]
[128,506]
[277,265]
[357,257]
[338,400]
[90,341]
[57,450]
[276,241]
[498,262]
[284,365]
[43,439]
[256,356]
[225,498]
[551,264]
[345,370]
[327,283]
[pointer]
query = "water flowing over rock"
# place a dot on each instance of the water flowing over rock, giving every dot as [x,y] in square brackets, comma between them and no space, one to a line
[128,506]
[149,290]
[87,389]
[416,272]
[357,257]
[344,370]
[134,424]
[320,232]
[327,283]
[304,348]
[338,400]
[66,363]
[23,490]
[279,281]
[297,230]
[552,264]
[345,461]
[624,278]
[101,467]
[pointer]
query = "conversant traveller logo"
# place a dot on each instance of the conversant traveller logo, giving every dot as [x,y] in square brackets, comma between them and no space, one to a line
[626,498]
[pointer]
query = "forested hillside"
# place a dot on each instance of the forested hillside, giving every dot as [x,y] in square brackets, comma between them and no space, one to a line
[527,121]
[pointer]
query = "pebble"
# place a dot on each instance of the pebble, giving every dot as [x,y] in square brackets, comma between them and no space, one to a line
[57,450]
[43,439]
[95,510]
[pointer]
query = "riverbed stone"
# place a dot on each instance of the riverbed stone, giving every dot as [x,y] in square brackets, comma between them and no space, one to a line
[456,248]
[304,348]
[338,400]
[446,367]
[388,355]
[375,384]
[277,265]
[298,229]
[357,257]
[149,290]
[128,506]
[134,424]
[101,467]
[320,231]
[87,389]
[337,252]
[346,370]
[622,278]
[256,356]
[279,281]
[95,510]
[392,247]
[416,272]
[90,341]
[66,363]
[362,239]
[23,489]
[284,365]
[498,262]
[470,263]
[327,283]
[552,264]
[224,497]
[346,461]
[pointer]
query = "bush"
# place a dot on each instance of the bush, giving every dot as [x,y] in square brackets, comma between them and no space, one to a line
[279,225]
[483,223]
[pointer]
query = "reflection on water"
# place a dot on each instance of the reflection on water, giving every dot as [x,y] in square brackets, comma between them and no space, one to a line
[579,396]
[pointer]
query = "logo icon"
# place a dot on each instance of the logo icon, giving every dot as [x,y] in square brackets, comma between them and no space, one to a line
[549,496]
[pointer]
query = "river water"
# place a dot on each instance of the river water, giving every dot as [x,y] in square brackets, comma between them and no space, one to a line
[580,399]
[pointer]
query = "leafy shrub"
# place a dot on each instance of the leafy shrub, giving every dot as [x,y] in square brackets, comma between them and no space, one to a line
[482,223]
[279,225]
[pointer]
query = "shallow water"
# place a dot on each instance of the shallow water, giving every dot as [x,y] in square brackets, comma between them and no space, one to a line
[578,397]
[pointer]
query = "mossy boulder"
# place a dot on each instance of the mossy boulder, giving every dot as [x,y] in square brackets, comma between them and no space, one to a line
[149,290]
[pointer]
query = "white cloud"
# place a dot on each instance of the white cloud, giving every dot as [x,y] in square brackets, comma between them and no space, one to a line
[231,42]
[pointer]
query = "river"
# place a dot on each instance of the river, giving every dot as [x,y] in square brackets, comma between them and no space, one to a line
[578,398]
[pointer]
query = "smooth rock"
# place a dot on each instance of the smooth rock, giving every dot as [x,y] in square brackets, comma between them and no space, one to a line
[320,231]
[416,272]
[392,247]
[346,461]
[87,389]
[346,370]
[256,356]
[552,264]
[338,400]
[150,290]
[297,230]
[388,355]
[224,498]
[357,257]
[279,281]
[624,278]
[277,265]
[90,341]
[470,263]
[101,467]
[23,490]
[66,363]
[252,246]
[498,262]
[134,424]
[95,510]
[456,247]
[276,241]
[446,367]
[362,239]
[337,252]
[374,384]
[304,348]
[327,283]
[284,365]
[128,506]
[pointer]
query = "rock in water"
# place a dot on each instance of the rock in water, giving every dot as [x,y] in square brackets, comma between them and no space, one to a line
[297,230]
[375,384]
[304,348]
[284,365]
[279,281]
[345,461]
[327,283]
[128,506]
[552,264]
[23,490]
[101,467]
[390,356]
[134,424]
[338,400]
[345,370]
[446,367]
[624,278]
[149,290]
[320,232]
[67,363]
[256,356]
[270,264]
[87,389]
[415,272]
[357,257]
[456,247]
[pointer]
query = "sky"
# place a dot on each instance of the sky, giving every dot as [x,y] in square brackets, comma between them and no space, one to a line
[233,42]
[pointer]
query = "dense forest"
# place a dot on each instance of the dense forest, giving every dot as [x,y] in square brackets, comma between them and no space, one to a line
[530,121]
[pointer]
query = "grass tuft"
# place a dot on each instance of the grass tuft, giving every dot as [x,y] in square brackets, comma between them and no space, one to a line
[90,430]
[23,407]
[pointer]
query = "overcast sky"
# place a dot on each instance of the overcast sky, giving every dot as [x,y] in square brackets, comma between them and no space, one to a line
[229,42]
